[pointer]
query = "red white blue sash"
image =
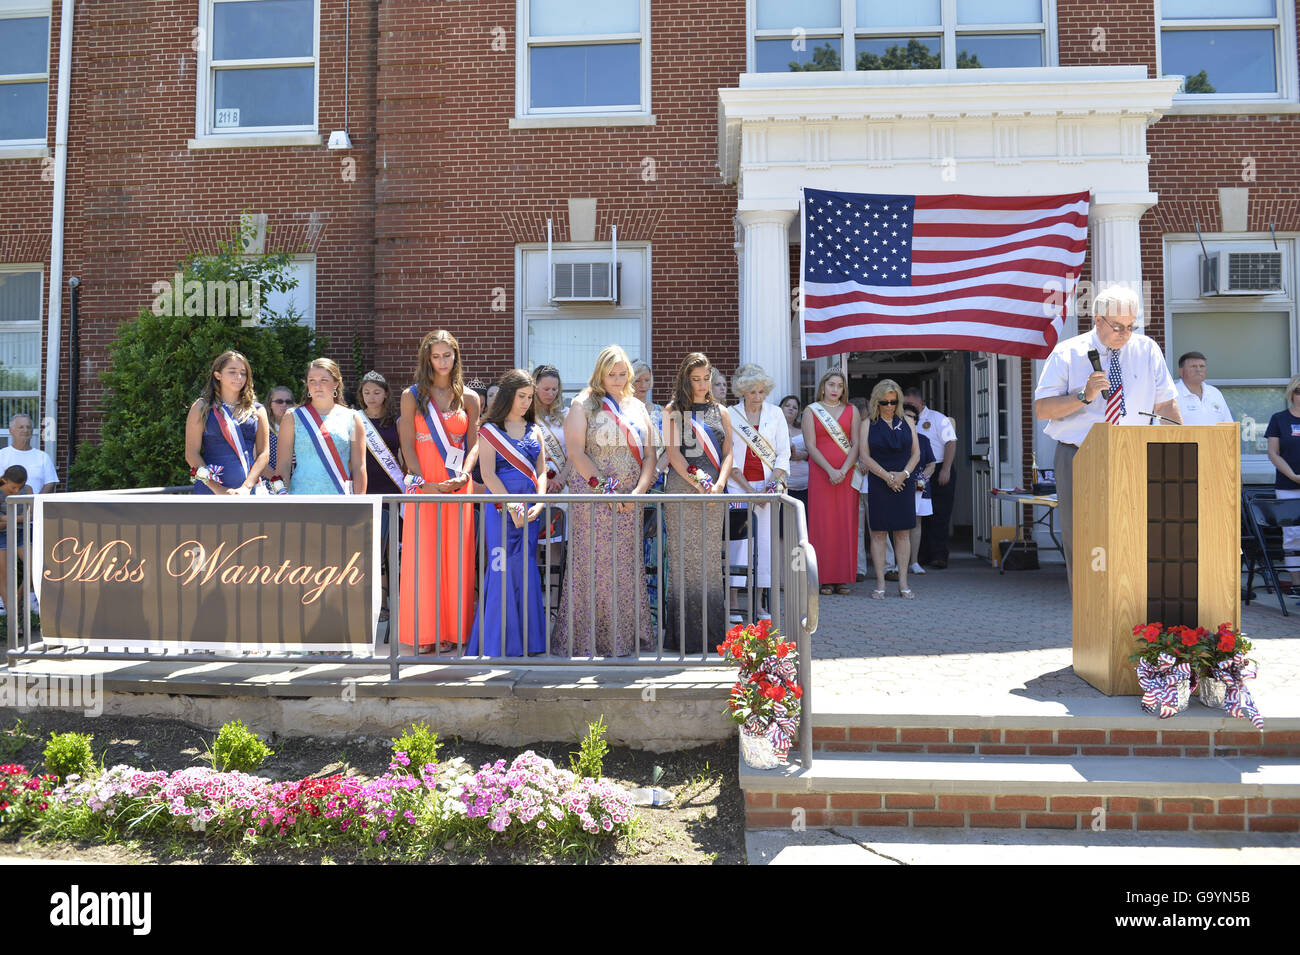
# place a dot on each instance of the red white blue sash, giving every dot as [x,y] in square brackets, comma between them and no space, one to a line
[635,443]
[705,440]
[230,431]
[383,453]
[451,451]
[323,442]
[499,440]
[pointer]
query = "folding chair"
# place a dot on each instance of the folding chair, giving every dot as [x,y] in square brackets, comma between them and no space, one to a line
[1267,518]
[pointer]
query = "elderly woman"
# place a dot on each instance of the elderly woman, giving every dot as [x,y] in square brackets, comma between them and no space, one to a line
[760,429]
[1283,434]
[889,454]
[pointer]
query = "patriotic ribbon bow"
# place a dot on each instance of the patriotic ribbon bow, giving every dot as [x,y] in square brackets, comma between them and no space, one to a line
[276,485]
[1159,683]
[779,729]
[782,667]
[700,477]
[412,483]
[771,487]
[1237,700]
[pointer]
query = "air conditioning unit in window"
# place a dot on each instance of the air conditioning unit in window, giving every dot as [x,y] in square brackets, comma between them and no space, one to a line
[584,282]
[1241,273]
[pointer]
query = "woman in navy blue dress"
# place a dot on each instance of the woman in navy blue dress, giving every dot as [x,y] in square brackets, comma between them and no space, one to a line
[226,431]
[889,452]
[512,460]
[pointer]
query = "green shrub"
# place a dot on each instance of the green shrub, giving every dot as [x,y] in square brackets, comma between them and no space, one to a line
[238,749]
[590,762]
[420,746]
[68,753]
[158,364]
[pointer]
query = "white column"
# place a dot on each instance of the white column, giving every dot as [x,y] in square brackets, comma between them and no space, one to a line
[765,293]
[1116,241]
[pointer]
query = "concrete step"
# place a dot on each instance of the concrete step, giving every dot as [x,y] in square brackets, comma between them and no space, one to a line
[1083,792]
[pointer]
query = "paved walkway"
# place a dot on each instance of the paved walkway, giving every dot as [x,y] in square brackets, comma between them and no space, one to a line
[972,632]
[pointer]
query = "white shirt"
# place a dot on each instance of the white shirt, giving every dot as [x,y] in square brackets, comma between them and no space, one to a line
[40,469]
[1146,377]
[937,429]
[772,426]
[1210,408]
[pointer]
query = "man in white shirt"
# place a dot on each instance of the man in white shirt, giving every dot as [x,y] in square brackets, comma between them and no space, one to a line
[1069,394]
[41,476]
[937,428]
[1198,402]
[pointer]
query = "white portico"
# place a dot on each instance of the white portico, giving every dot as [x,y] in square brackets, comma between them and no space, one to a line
[1040,131]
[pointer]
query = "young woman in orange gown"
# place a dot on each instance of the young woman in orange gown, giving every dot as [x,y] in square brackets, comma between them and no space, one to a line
[445,532]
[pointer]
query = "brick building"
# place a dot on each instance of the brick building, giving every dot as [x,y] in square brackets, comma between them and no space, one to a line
[672,135]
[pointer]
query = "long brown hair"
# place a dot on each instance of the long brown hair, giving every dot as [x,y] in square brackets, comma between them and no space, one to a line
[508,387]
[331,366]
[211,395]
[424,370]
[683,397]
[388,416]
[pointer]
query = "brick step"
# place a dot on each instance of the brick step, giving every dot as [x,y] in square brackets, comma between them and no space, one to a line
[1030,792]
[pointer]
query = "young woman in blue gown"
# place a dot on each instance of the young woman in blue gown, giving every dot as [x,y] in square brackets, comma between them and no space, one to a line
[226,431]
[512,460]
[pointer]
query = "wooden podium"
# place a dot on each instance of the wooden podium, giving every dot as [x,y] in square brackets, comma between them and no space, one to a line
[1157,523]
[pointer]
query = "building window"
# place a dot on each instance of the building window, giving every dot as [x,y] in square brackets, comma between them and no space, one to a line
[24,72]
[20,344]
[258,62]
[579,57]
[1249,340]
[571,335]
[810,35]
[1229,49]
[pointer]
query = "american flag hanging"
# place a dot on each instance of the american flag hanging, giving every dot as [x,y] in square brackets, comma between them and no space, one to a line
[978,273]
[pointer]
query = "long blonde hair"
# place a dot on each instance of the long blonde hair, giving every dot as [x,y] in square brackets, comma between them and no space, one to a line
[878,393]
[606,361]
[555,413]
[211,395]
[424,370]
[331,366]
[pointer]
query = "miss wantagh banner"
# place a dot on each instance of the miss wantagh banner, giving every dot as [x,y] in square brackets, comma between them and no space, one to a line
[270,573]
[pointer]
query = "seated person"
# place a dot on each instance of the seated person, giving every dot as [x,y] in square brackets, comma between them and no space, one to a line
[13,481]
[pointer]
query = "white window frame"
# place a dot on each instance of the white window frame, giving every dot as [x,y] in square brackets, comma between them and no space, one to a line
[38,326]
[204,118]
[558,114]
[599,252]
[1255,468]
[1284,55]
[19,10]
[306,288]
[947,31]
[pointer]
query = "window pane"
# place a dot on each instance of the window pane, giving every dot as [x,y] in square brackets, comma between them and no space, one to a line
[999,11]
[1239,344]
[572,344]
[20,297]
[263,28]
[1216,9]
[299,301]
[273,97]
[20,341]
[1256,404]
[999,49]
[582,17]
[25,45]
[1220,61]
[788,14]
[879,13]
[900,53]
[779,56]
[605,75]
[22,110]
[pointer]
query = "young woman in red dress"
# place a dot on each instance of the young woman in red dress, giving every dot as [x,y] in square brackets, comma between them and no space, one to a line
[830,433]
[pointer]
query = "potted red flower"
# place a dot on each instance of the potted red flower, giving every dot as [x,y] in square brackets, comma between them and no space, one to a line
[765,701]
[1165,658]
[1224,668]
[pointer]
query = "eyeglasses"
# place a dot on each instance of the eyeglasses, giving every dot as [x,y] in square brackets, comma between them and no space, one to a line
[892,401]
[1119,329]
[281,401]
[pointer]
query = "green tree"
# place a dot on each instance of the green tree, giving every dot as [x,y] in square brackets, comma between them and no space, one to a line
[1198,83]
[158,363]
[968,61]
[915,56]
[824,58]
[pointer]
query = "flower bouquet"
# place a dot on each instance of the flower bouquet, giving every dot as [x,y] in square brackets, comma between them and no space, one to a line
[765,702]
[1164,657]
[1223,670]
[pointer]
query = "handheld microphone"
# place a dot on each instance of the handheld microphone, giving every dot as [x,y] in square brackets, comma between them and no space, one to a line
[1096,366]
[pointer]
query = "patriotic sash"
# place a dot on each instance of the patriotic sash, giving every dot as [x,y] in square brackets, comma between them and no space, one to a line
[499,440]
[555,456]
[634,441]
[838,436]
[230,431]
[757,443]
[323,442]
[451,452]
[706,442]
[377,446]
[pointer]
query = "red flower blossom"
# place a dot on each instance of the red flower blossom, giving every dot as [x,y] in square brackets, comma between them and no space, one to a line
[783,649]
[798,692]
[1189,637]
[1227,642]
